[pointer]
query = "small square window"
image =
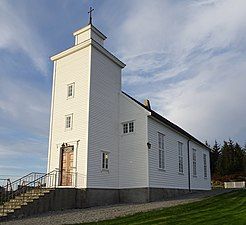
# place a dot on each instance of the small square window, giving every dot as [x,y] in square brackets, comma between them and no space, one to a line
[70,90]
[128,127]
[68,121]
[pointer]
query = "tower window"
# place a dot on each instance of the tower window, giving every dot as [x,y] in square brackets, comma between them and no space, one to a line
[128,127]
[68,121]
[70,90]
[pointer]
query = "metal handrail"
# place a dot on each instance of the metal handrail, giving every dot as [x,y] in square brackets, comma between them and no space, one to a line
[18,181]
[49,180]
[39,182]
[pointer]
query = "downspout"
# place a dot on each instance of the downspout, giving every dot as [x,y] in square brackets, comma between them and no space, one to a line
[188,149]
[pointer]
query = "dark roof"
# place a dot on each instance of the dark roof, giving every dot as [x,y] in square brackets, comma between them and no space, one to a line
[167,122]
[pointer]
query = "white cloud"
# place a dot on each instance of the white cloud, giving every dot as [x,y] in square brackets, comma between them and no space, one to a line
[19,156]
[190,58]
[24,106]
[19,34]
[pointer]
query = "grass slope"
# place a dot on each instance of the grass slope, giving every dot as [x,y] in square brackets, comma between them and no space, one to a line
[223,209]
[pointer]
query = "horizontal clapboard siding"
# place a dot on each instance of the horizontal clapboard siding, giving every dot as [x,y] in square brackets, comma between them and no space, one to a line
[170,177]
[105,86]
[73,68]
[199,182]
[133,154]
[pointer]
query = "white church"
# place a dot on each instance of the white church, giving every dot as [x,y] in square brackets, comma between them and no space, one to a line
[106,142]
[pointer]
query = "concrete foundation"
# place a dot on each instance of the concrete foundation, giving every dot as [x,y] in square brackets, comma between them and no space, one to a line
[157,194]
[72,198]
[134,195]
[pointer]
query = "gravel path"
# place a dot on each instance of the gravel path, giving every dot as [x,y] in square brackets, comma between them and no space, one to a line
[108,212]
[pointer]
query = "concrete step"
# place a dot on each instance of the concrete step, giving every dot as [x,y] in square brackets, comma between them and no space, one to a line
[12,206]
[3,214]
[28,197]
[20,200]
[23,199]
[7,211]
[31,194]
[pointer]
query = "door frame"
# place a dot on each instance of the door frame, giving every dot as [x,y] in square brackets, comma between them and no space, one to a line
[63,146]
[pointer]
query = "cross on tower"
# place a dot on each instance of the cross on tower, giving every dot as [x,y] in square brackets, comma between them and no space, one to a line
[90,13]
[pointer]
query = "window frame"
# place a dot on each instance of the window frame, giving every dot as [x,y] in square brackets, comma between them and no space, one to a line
[205,166]
[73,90]
[180,158]
[161,151]
[104,161]
[194,162]
[125,128]
[128,127]
[131,127]
[71,122]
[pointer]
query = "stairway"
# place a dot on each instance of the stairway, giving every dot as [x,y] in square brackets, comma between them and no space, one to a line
[27,195]
[14,207]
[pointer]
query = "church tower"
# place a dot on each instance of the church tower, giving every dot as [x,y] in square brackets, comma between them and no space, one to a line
[84,125]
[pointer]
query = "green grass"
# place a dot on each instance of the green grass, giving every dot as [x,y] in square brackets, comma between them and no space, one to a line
[223,209]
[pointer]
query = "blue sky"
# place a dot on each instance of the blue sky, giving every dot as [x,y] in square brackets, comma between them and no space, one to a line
[187,57]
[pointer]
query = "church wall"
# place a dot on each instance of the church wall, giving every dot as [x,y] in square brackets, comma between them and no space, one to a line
[73,68]
[199,182]
[133,153]
[103,121]
[169,177]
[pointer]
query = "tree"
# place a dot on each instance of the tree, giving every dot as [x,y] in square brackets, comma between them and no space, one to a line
[232,159]
[214,157]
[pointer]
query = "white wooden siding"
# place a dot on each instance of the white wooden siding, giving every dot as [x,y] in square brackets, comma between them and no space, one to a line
[105,86]
[86,35]
[199,182]
[72,68]
[99,109]
[133,153]
[170,177]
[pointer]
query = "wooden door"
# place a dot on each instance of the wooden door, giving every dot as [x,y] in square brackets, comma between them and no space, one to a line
[67,166]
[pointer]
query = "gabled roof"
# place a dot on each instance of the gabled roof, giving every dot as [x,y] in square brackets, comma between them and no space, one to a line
[167,122]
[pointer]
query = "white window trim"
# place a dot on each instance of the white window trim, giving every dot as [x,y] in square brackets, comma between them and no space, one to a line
[205,166]
[101,162]
[73,90]
[128,122]
[71,122]
[182,156]
[162,150]
[194,161]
